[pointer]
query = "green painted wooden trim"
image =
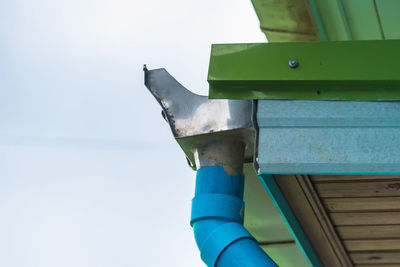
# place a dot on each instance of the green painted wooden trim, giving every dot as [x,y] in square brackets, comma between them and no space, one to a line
[317,20]
[345,20]
[333,20]
[379,20]
[343,70]
[290,219]
[285,20]
[388,12]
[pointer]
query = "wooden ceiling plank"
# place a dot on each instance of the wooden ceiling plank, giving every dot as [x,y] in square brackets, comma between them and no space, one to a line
[325,222]
[359,189]
[369,232]
[333,178]
[375,257]
[309,215]
[373,245]
[365,218]
[362,204]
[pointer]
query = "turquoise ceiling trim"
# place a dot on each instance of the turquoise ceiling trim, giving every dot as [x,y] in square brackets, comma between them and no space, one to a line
[290,220]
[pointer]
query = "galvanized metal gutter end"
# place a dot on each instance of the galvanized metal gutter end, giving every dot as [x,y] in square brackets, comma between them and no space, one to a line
[196,120]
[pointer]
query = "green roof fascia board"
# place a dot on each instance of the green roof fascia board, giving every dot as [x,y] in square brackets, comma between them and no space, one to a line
[340,70]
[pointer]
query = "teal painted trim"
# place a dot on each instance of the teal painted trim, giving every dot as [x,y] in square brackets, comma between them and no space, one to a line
[290,219]
[318,21]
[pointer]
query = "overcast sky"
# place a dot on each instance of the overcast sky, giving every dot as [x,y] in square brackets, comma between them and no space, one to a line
[90,174]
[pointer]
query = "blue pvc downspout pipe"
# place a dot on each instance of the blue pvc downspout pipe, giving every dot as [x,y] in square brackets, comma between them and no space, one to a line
[217,220]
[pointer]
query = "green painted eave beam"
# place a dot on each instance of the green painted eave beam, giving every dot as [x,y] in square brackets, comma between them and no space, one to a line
[345,70]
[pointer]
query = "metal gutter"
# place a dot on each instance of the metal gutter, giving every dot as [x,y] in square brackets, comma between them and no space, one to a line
[328,137]
[279,200]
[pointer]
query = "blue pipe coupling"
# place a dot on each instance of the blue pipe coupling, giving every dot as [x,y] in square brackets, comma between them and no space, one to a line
[217,220]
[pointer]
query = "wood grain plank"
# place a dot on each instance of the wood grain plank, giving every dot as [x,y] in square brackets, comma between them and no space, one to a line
[365,218]
[321,214]
[359,189]
[377,265]
[332,178]
[376,257]
[311,223]
[369,232]
[372,245]
[362,204]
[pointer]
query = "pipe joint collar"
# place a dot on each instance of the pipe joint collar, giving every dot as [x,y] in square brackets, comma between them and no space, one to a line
[221,238]
[217,206]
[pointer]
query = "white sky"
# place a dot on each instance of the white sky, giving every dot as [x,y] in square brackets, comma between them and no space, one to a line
[89,172]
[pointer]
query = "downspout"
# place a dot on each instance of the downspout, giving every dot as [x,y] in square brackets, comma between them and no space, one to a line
[218,207]
[216,136]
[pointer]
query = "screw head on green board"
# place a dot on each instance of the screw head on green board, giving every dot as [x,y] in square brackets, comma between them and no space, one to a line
[293,63]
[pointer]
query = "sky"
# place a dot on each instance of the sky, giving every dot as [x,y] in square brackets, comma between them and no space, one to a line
[90,174]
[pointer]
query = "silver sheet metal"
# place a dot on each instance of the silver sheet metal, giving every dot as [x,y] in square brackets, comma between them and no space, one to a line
[196,120]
